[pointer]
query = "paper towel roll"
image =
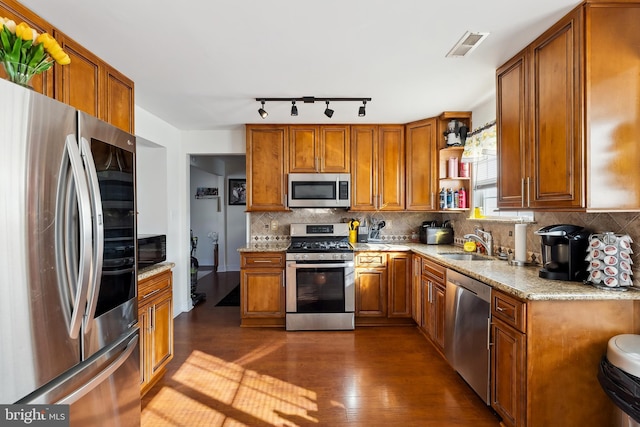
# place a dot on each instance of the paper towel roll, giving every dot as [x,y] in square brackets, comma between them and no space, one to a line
[521,243]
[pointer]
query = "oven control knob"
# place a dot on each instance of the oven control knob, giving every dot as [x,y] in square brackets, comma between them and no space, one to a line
[337,256]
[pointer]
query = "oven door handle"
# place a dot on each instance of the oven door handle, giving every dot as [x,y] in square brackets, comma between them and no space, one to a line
[297,264]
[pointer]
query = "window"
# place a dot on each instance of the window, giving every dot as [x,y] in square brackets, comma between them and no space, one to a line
[485,188]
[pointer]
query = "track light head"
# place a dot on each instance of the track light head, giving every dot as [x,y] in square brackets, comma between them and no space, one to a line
[328,111]
[294,109]
[263,113]
[362,110]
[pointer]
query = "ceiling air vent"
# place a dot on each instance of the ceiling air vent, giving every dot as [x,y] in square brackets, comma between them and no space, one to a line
[467,43]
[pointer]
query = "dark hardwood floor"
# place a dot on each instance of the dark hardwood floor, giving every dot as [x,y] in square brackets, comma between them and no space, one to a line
[224,375]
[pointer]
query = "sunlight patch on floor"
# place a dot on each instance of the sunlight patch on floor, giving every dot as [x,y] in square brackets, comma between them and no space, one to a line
[214,392]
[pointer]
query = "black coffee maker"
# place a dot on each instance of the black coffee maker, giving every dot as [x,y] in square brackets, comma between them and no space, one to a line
[564,249]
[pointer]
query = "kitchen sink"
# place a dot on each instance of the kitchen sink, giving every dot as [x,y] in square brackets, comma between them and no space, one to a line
[464,256]
[384,247]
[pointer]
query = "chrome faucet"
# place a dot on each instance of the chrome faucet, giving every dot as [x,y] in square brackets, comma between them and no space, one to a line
[484,238]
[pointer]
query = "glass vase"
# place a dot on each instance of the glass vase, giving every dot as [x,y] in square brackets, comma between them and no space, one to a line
[19,73]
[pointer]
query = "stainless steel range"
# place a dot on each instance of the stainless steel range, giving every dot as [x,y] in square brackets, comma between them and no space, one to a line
[320,284]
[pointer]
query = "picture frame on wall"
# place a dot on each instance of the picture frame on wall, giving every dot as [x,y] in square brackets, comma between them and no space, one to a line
[237,191]
[206,192]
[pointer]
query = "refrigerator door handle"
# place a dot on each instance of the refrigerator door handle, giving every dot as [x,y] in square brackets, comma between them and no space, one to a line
[98,232]
[100,377]
[76,285]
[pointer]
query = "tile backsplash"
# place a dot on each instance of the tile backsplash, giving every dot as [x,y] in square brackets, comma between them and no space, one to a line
[401,226]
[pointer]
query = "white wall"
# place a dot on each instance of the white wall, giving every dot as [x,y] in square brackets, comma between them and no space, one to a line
[172,200]
[485,111]
[236,229]
[152,187]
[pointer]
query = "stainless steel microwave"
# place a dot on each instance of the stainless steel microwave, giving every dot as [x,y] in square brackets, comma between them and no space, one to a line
[319,190]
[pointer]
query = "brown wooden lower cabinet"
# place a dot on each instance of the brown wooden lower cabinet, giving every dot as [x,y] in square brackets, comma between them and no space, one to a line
[545,357]
[262,291]
[508,381]
[383,288]
[416,290]
[433,288]
[155,318]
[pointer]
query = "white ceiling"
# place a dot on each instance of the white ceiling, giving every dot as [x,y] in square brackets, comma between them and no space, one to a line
[200,64]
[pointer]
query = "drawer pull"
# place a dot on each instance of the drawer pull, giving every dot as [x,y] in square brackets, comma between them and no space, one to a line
[263,261]
[499,309]
[151,293]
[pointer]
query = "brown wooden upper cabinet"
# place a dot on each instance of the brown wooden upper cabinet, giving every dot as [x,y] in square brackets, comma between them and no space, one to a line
[267,149]
[377,167]
[541,86]
[567,109]
[319,149]
[422,165]
[87,83]
[91,85]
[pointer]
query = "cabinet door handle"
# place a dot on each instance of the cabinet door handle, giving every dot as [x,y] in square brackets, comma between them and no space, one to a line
[522,190]
[145,296]
[499,309]
[150,314]
[528,191]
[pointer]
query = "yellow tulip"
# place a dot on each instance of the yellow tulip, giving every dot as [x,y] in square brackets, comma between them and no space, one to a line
[58,54]
[55,48]
[47,41]
[64,60]
[24,31]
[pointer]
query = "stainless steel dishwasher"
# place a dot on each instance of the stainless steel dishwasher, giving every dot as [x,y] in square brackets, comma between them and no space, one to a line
[466,330]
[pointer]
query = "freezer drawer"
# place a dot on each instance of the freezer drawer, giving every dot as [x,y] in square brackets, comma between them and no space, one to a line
[104,391]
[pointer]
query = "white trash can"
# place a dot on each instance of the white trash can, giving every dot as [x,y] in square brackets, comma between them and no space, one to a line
[619,376]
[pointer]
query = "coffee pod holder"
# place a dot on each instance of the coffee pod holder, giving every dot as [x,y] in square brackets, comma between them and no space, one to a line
[609,258]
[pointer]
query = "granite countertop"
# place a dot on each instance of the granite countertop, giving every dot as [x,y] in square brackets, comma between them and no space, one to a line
[522,282]
[152,270]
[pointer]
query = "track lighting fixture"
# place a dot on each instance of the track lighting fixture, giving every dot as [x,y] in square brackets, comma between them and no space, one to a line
[263,113]
[362,110]
[328,111]
[310,100]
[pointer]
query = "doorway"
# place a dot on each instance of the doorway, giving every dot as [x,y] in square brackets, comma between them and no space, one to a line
[218,223]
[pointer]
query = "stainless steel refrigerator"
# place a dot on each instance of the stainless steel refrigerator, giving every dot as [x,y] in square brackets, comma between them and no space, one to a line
[68,279]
